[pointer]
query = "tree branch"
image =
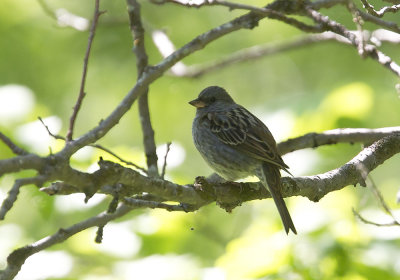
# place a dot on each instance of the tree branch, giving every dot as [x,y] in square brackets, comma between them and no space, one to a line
[141,64]
[249,20]
[365,221]
[256,52]
[323,24]
[384,206]
[317,186]
[22,162]
[271,11]
[230,5]
[97,146]
[13,147]
[130,182]
[152,73]
[75,181]
[165,160]
[253,53]
[14,191]
[227,195]
[378,21]
[17,258]
[152,192]
[370,9]
[369,50]
[97,14]
[64,18]
[127,162]
[340,135]
[382,201]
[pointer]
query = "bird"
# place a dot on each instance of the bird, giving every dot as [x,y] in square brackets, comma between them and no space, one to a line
[236,144]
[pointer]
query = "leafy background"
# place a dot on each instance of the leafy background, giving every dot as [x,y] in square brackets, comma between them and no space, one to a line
[312,89]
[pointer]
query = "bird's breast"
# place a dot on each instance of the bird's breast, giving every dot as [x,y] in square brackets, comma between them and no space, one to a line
[225,159]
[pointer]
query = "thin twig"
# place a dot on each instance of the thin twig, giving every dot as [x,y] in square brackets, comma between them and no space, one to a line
[152,73]
[358,215]
[371,10]
[12,195]
[331,25]
[119,158]
[384,23]
[384,60]
[17,258]
[359,23]
[65,18]
[13,147]
[272,9]
[112,207]
[264,11]
[55,136]
[370,50]
[48,11]
[98,146]
[256,52]
[381,200]
[323,24]
[165,160]
[340,135]
[141,64]
[97,14]
[230,5]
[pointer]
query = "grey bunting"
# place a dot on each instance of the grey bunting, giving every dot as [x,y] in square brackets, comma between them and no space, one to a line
[236,144]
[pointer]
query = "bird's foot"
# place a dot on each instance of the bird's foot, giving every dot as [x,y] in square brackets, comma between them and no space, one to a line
[199,182]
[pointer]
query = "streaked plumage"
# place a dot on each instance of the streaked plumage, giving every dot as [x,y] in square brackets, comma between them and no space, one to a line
[237,144]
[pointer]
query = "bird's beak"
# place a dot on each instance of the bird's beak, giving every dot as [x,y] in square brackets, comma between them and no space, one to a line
[197,103]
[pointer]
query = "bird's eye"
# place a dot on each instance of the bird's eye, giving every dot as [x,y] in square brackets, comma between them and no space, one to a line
[212,99]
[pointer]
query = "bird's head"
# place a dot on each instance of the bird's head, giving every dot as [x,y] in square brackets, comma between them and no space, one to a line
[213,96]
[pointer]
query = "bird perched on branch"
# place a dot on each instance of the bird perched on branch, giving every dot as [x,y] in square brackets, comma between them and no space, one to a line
[236,144]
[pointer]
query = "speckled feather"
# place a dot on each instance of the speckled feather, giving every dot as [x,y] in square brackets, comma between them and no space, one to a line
[236,144]
[238,127]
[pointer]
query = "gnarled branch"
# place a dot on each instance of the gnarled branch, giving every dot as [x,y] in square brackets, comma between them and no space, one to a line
[227,195]
[141,64]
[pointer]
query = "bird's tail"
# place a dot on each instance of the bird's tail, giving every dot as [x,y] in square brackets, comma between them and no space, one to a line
[272,180]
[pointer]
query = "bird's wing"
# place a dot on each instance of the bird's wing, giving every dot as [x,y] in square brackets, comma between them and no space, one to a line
[239,128]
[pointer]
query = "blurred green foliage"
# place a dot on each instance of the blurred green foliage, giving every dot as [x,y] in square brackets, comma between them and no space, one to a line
[318,87]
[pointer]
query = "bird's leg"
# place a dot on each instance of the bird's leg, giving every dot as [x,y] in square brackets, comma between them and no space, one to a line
[199,181]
